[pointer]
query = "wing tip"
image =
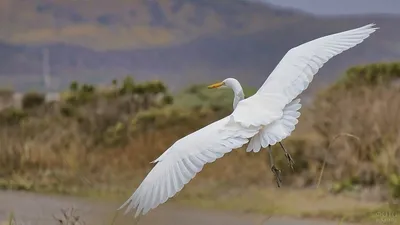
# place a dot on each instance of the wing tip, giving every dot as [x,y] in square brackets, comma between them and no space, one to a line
[124,205]
[130,207]
[372,27]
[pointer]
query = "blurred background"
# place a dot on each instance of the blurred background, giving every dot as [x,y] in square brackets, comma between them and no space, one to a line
[91,91]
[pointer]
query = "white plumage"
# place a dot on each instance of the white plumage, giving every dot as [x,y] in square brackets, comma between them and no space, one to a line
[265,118]
[277,130]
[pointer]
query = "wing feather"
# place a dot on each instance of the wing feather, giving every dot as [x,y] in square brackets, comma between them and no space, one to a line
[292,76]
[277,130]
[297,68]
[183,160]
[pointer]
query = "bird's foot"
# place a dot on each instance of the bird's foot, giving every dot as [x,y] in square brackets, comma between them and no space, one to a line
[290,160]
[277,174]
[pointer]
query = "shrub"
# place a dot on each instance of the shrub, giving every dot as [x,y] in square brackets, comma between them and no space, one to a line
[368,75]
[67,110]
[12,116]
[167,100]
[80,94]
[74,86]
[32,100]
[128,85]
[155,87]
[88,89]
[394,184]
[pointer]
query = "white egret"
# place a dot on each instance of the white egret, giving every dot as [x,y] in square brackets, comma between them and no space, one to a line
[266,118]
[286,124]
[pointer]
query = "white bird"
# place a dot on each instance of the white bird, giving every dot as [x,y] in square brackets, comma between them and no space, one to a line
[266,118]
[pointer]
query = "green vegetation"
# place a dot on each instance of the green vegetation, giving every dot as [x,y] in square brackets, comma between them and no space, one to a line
[199,97]
[11,116]
[367,76]
[370,75]
[32,100]
[95,139]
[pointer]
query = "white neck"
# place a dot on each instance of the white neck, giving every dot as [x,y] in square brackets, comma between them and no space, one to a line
[238,97]
[237,90]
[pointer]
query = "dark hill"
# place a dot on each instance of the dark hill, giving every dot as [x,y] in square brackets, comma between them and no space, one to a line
[178,41]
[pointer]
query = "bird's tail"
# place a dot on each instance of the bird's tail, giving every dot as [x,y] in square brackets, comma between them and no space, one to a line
[277,130]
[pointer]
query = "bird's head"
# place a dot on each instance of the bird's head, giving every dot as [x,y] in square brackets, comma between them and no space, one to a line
[234,85]
[217,85]
[228,82]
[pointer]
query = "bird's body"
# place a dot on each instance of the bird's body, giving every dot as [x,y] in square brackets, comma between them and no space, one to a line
[266,118]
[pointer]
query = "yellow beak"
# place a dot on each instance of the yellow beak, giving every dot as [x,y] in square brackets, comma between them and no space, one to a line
[216,85]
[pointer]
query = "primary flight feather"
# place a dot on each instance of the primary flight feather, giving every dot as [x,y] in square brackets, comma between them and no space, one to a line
[266,118]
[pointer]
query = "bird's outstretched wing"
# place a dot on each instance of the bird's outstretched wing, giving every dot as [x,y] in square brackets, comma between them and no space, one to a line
[297,68]
[294,73]
[186,157]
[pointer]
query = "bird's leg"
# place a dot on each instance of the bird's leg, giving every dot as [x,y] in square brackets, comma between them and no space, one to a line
[274,170]
[288,156]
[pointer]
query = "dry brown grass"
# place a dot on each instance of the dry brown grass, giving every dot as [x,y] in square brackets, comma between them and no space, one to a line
[41,150]
[371,114]
[60,146]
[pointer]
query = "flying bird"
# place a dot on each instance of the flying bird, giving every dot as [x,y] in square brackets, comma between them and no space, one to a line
[261,120]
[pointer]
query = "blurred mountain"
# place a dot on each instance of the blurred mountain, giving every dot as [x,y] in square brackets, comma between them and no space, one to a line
[178,41]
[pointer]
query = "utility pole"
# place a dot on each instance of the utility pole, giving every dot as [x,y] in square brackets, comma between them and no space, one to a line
[46,69]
